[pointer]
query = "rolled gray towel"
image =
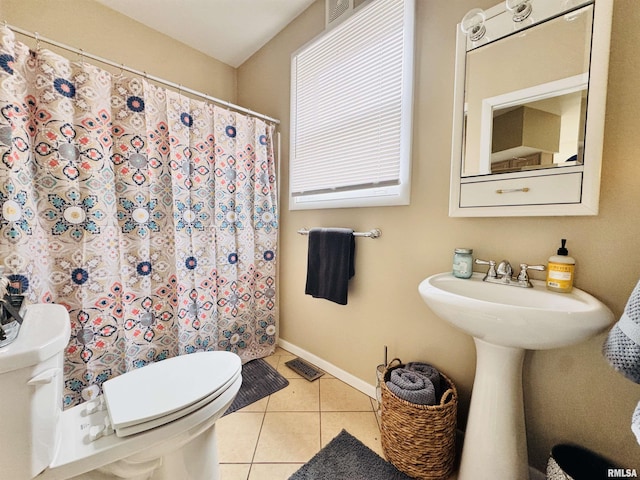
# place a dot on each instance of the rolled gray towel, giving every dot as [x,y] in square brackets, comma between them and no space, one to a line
[412,387]
[622,346]
[428,371]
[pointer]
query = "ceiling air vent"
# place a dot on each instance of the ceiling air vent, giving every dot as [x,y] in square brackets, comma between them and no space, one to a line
[336,11]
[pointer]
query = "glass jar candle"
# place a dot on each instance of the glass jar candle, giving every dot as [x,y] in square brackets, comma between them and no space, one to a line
[462,263]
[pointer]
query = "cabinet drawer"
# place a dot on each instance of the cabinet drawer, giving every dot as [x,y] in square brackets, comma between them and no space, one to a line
[541,190]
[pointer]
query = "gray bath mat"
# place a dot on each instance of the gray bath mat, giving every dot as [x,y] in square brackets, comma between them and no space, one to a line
[347,458]
[259,380]
[308,371]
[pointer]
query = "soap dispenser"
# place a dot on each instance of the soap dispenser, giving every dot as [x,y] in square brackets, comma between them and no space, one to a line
[560,270]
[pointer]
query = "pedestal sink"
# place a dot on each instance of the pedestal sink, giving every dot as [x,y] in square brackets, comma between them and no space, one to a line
[505,321]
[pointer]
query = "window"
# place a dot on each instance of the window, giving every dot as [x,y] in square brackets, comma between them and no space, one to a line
[351,97]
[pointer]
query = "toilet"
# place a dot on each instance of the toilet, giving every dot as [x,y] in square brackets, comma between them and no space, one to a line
[153,423]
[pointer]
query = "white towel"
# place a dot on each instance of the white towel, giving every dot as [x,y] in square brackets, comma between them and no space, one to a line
[635,423]
[622,347]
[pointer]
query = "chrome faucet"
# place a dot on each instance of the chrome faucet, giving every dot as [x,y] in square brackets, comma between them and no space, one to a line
[504,270]
[503,275]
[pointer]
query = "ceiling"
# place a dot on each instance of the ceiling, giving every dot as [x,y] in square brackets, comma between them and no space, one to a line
[228,30]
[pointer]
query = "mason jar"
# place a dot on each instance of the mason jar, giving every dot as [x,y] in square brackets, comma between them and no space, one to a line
[462,262]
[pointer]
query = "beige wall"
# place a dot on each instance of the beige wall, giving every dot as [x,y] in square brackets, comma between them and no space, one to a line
[571,394]
[88,25]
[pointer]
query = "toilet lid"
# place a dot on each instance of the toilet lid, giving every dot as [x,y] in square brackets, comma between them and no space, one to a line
[164,391]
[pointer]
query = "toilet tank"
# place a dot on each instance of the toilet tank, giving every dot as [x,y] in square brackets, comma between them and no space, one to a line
[31,384]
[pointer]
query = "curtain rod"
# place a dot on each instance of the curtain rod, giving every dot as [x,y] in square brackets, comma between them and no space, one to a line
[168,83]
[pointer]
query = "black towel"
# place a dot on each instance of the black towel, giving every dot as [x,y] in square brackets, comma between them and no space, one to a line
[330,263]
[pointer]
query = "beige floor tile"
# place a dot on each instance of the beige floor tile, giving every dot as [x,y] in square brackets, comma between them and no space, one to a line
[238,436]
[362,425]
[324,376]
[234,471]
[273,471]
[259,406]
[288,437]
[281,351]
[273,360]
[374,406]
[337,396]
[299,396]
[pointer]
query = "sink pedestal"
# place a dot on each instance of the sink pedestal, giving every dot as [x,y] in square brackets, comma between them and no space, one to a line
[495,442]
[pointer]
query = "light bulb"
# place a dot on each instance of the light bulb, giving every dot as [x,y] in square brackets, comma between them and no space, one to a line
[520,9]
[472,24]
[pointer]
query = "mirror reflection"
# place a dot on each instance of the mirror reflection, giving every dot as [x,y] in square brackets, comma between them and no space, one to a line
[538,134]
[525,97]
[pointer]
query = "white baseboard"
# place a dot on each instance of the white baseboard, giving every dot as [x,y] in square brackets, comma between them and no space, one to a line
[331,369]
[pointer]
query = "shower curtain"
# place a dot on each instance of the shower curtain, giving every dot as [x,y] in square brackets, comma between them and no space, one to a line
[149,215]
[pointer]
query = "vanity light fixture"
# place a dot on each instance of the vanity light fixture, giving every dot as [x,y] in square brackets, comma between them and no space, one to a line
[520,9]
[472,24]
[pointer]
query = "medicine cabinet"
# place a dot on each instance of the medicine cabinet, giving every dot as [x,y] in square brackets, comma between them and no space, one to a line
[529,103]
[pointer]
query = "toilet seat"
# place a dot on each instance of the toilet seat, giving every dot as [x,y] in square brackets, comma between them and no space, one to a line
[166,391]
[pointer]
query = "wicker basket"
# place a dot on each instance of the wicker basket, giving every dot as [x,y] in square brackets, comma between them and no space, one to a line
[420,439]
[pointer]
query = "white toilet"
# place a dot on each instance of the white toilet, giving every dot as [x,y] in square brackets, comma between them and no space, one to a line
[156,422]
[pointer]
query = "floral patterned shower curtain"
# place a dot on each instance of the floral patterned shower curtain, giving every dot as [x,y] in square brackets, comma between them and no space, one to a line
[149,215]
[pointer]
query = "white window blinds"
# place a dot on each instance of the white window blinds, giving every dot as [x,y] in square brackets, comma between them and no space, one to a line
[351,104]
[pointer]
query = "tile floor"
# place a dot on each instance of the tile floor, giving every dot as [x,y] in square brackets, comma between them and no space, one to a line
[274,437]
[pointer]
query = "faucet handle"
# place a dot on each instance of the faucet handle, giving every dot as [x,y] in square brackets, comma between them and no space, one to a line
[491,273]
[523,276]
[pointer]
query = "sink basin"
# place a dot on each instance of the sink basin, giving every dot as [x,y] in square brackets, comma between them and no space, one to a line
[505,321]
[529,318]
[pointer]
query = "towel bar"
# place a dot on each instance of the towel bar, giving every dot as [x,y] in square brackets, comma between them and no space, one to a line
[375,233]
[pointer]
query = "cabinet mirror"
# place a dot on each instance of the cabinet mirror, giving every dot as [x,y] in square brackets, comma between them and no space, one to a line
[530,95]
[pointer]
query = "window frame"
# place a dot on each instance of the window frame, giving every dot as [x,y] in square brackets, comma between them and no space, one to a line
[389,195]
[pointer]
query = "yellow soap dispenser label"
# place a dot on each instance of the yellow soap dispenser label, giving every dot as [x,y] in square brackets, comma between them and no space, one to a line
[560,275]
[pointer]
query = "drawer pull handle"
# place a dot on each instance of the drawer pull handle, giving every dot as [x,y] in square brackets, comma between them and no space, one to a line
[512,190]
